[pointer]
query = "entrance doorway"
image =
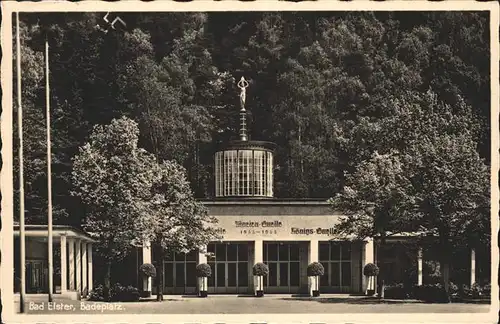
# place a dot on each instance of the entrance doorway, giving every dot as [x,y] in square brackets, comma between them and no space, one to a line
[229,268]
[180,273]
[336,259]
[283,260]
[37,276]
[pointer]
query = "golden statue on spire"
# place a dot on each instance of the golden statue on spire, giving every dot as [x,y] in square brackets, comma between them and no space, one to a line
[243,85]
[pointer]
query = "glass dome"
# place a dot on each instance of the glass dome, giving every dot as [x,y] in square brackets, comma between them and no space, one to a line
[244,169]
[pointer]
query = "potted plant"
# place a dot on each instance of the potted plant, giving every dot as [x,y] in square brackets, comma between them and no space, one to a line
[260,270]
[148,271]
[314,271]
[203,271]
[370,270]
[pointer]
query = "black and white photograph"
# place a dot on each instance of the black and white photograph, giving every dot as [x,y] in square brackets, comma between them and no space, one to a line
[242,161]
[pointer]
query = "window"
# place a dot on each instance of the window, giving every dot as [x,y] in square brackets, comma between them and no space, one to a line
[234,172]
[284,265]
[269,174]
[219,174]
[226,181]
[229,266]
[243,173]
[258,183]
[336,259]
[180,270]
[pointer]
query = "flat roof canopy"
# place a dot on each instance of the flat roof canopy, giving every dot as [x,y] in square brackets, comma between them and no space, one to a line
[41,231]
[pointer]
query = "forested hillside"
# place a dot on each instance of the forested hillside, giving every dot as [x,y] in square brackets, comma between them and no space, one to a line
[329,88]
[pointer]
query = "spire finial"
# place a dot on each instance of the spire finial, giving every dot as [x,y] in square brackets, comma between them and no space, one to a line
[243,85]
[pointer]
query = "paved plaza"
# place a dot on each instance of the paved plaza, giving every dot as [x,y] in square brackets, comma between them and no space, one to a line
[270,304]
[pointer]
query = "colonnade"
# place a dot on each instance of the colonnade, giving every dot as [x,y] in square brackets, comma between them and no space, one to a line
[369,256]
[76,265]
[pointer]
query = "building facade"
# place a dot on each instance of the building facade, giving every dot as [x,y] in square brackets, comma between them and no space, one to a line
[255,227]
[286,235]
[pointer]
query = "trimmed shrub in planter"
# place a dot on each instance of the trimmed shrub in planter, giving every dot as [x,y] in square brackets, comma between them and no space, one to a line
[260,270]
[119,293]
[147,270]
[315,270]
[370,270]
[203,271]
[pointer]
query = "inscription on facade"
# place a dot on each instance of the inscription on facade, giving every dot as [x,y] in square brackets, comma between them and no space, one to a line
[276,227]
[311,231]
[220,230]
[258,232]
[258,224]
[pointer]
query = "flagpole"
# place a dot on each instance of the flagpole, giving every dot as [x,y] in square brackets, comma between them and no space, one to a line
[22,237]
[49,174]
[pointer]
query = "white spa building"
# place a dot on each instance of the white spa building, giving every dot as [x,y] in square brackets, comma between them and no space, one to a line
[286,234]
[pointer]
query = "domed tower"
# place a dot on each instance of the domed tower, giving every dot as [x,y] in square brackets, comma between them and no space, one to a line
[244,168]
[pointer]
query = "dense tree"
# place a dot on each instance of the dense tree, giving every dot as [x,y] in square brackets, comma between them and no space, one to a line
[177,222]
[378,201]
[453,194]
[113,178]
[440,188]
[130,198]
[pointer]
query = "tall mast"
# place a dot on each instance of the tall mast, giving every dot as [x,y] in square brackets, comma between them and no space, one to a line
[49,174]
[22,237]
[243,85]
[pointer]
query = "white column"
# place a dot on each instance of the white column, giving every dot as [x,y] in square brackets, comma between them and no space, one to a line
[78,266]
[420,257]
[64,264]
[71,245]
[146,258]
[258,251]
[202,258]
[472,267]
[258,256]
[84,269]
[368,256]
[89,267]
[202,255]
[312,256]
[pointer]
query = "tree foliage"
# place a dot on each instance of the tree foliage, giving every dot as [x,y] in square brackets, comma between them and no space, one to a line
[130,198]
[113,177]
[377,198]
